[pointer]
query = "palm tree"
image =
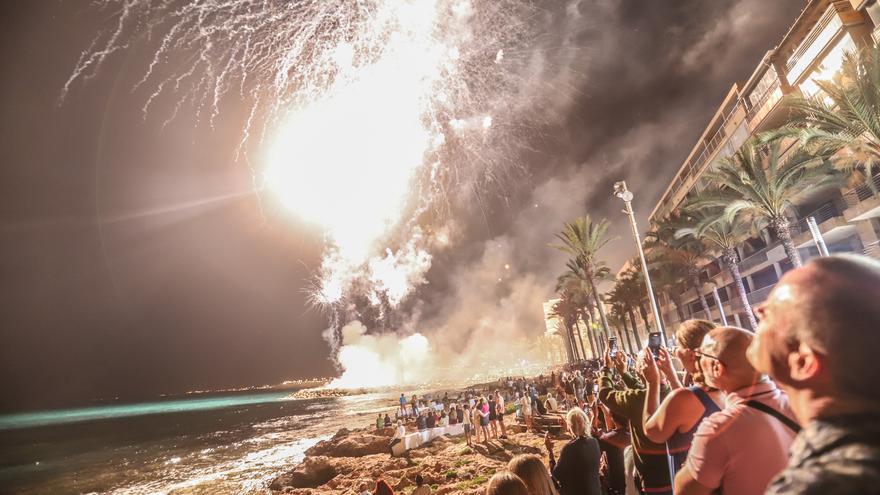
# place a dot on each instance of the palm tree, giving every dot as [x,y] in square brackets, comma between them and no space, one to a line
[576,281]
[628,294]
[723,234]
[582,239]
[759,185]
[842,122]
[668,279]
[566,311]
[617,318]
[664,248]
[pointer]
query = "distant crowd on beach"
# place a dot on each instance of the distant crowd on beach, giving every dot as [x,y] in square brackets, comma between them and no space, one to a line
[791,409]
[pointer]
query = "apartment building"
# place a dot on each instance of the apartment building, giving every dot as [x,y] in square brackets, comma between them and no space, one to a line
[849,218]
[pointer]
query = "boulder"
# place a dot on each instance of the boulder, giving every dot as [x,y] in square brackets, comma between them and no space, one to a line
[311,473]
[350,444]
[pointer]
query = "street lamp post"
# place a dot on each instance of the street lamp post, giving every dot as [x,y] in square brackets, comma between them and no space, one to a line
[623,193]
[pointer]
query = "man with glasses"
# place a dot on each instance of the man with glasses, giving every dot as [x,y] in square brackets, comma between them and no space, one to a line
[738,450]
[819,338]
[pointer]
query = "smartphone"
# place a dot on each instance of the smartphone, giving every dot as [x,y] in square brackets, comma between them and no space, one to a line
[612,346]
[655,340]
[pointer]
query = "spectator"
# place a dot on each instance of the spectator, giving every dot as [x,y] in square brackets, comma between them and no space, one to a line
[506,483]
[453,415]
[676,420]
[741,448]
[431,420]
[483,408]
[422,422]
[399,433]
[499,407]
[362,489]
[818,338]
[551,403]
[577,471]
[444,419]
[526,408]
[493,416]
[379,422]
[383,488]
[421,488]
[402,402]
[652,464]
[612,443]
[531,470]
[387,421]
[467,421]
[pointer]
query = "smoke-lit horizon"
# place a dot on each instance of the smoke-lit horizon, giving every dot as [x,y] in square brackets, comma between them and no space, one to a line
[170,274]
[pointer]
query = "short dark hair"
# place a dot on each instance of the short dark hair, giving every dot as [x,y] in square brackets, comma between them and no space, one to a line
[419,480]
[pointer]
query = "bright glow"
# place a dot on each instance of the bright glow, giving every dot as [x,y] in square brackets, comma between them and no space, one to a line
[373,361]
[346,161]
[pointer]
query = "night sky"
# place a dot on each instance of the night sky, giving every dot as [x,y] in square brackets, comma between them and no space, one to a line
[135,259]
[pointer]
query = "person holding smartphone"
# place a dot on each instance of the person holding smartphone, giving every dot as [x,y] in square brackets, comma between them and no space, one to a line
[675,420]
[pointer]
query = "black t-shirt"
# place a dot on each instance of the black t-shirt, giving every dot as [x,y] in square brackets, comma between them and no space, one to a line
[612,444]
[577,471]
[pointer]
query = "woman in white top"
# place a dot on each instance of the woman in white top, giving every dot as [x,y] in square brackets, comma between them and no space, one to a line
[399,433]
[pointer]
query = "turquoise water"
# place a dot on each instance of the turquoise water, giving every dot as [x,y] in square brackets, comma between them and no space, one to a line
[231,444]
[64,416]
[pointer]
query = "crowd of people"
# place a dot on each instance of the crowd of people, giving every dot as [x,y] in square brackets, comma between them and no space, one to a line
[790,409]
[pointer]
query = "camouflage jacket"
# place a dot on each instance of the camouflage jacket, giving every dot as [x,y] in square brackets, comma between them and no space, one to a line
[839,456]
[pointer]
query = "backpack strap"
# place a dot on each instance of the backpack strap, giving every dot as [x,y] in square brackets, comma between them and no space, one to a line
[776,414]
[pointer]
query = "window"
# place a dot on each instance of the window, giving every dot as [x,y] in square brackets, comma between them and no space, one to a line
[764,278]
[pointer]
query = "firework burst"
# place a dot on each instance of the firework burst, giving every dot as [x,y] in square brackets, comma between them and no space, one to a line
[363,115]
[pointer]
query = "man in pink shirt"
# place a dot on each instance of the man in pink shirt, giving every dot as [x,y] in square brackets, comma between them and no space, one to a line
[738,450]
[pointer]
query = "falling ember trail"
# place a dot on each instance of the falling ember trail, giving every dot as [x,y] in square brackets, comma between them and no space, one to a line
[362,114]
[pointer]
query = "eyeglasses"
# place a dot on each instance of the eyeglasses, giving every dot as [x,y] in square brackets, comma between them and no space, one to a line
[700,353]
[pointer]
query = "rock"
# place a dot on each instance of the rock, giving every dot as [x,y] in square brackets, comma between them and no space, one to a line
[350,444]
[311,473]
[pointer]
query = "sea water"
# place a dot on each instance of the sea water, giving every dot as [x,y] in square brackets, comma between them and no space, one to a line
[223,444]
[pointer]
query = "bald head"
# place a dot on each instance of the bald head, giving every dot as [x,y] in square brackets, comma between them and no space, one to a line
[724,361]
[832,305]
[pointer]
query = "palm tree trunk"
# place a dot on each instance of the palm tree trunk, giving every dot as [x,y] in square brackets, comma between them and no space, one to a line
[676,300]
[601,338]
[580,339]
[695,283]
[782,229]
[567,339]
[635,327]
[600,305]
[591,336]
[623,333]
[644,314]
[732,262]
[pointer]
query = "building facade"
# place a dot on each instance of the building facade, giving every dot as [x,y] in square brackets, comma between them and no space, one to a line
[812,50]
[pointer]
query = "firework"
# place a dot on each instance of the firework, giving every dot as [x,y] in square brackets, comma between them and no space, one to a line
[363,114]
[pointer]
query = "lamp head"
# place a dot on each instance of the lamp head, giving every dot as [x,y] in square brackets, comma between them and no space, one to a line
[622,192]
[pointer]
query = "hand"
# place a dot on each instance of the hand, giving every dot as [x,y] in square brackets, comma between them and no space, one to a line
[620,362]
[664,362]
[606,358]
[649,368]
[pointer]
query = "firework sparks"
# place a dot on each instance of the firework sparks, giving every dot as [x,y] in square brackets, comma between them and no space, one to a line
[362,114]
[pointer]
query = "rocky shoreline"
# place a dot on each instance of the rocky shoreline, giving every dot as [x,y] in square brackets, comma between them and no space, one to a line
[448,465]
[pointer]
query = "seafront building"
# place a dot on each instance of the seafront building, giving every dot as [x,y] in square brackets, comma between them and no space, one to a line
[849,218]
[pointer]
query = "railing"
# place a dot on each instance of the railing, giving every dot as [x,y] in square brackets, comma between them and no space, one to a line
[860,193]
[823,213]
[802,49]
[753,260]
[872,250]
[771,91]
[758,296]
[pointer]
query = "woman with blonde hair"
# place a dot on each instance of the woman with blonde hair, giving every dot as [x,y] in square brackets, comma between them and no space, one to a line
[676,419]
[506,483]
[530,468]
[577,471]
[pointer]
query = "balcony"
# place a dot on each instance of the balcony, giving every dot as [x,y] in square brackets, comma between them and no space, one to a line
[760,295]
[862,202]
[831,223]
[757,259]
[872,250]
